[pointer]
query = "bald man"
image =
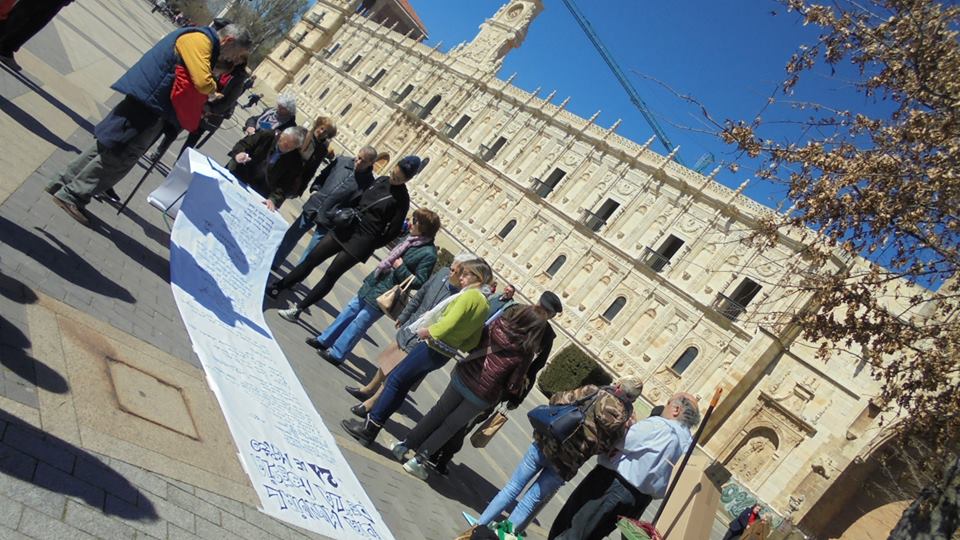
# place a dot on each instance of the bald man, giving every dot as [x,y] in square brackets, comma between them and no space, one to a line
[638,471]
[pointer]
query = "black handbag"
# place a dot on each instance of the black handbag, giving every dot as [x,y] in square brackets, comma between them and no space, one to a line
[560,421]
[343,217]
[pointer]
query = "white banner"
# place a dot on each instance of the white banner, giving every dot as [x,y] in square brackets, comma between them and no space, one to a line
[221,247]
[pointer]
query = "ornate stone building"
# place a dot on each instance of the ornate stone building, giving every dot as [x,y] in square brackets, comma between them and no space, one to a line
[646,254]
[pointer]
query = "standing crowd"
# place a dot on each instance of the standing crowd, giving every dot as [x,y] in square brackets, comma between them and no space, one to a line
[190,81]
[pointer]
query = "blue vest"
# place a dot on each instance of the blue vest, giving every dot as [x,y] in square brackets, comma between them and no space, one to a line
[150,80]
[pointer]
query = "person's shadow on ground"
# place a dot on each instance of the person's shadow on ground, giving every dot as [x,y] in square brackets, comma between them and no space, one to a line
[88,479]
[15,342]
[465,486]
[54,255]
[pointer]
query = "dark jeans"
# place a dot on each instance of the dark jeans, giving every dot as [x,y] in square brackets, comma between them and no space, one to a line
[444,455]
[418,363]
[328,247]
[451,414]
[26,19]
[592,509]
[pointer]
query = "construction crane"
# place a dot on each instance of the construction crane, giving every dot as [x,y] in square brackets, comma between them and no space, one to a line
[621,77]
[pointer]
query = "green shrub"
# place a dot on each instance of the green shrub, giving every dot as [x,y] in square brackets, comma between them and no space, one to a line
[571,368]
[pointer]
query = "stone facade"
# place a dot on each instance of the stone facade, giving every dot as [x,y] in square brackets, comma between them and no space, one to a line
[645,253]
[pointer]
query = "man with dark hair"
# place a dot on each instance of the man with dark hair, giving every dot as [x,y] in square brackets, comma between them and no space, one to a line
[182,64]
[624,483]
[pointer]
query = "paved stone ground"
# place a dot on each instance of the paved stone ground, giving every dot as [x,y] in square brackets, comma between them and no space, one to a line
[117,272]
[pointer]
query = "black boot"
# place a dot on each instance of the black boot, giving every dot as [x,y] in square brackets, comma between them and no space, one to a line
[359,410]
[357,393]
[364,431]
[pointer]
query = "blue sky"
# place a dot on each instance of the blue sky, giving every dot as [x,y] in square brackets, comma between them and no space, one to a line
[729,55]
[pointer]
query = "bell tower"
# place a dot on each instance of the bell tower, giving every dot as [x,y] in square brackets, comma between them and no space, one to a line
[499,35]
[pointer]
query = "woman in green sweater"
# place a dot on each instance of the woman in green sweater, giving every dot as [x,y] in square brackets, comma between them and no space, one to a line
[454,325]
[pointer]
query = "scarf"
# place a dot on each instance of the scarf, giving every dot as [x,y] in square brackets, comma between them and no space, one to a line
[411,241]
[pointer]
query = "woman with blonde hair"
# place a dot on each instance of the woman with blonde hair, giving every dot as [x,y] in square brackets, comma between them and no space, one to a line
[454,325]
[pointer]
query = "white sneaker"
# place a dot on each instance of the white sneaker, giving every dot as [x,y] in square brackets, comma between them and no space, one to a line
[399,450]
[292,314]
[416,468]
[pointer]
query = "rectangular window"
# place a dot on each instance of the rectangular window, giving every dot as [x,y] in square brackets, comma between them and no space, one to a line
[545,187]
[732,306]
[487,153]
[596,220]
[373,80]
[397,97]
[454,130]
[348,67]
[659,259]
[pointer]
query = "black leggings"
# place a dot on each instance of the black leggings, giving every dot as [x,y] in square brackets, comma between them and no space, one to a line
[326,248]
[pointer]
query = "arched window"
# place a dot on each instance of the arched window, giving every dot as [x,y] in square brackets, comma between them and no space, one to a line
[614,308]
[507,228]
[304,79]
[370,129]
[346,109]
[324,93]
[685,360]
[556,265]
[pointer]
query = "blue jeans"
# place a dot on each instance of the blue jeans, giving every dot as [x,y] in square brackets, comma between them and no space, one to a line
[295,232]
[420,361]
[345,331]
[539,493]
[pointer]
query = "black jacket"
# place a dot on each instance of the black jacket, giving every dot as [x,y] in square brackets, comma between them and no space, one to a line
[277,182]
[312,161]
[338,186]
[384,207]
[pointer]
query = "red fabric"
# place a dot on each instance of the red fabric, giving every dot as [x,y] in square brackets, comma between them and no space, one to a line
[753,517]
[5,7]
[187,101]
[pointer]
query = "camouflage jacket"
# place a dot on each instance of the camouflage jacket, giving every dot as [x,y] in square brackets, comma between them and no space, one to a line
[604,425]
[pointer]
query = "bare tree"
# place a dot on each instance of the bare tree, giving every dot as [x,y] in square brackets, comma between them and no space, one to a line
[268,22]
[885,186]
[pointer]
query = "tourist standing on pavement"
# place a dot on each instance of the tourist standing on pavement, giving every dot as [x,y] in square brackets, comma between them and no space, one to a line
[23,22]
[550,302]
[281,117]
[494,371]
[413,258]
[379,216]
[738,526]
[316,148]
[624,483]
[454,325]
[270,163]
[131,127]
[444,283]
[607,413]
[340,185]
[500,302]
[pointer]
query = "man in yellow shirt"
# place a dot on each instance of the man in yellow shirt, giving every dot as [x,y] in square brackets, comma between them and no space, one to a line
[132,126]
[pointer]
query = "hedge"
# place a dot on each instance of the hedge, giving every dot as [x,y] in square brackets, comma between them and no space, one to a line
[571,368]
